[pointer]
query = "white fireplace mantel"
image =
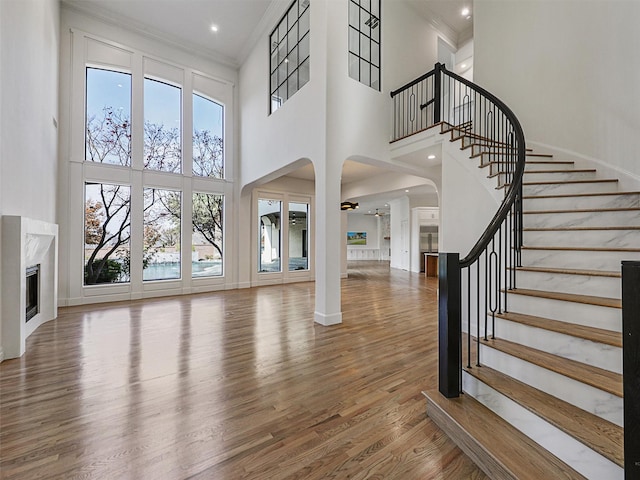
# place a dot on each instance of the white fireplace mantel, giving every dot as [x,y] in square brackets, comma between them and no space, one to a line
[26,242]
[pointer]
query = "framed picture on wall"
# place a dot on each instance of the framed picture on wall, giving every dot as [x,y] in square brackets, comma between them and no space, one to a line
[356,238]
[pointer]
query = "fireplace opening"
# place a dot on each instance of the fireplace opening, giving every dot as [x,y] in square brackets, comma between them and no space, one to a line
[33,291]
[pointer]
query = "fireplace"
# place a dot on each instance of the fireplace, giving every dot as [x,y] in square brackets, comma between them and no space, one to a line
[33,292]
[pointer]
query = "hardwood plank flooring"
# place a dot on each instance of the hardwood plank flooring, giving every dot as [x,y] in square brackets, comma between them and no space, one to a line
[233,385]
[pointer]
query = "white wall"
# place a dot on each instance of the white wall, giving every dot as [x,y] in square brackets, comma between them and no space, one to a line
[570,70]
[400,244]
[29,39]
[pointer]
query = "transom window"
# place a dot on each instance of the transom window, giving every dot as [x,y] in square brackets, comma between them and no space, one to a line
[364,42]
[289,53]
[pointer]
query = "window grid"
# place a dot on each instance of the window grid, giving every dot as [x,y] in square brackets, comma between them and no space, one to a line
[289,51]
[364,42]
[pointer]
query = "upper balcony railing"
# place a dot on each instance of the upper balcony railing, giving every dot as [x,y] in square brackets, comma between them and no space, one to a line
[473,289]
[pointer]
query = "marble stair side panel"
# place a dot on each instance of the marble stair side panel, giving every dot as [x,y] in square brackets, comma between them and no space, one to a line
[591,399]
[574,453]
[604,237]
[578,284]
[578,259]
[597,316]
[594,218]
[589,352]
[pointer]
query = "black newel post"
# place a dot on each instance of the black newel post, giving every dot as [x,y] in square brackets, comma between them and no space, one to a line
[631,367]
[437,93]
[449,325]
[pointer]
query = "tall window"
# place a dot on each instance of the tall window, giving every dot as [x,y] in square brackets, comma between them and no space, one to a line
[208,147]
[108,117]
[107,233]
[298,238]
[289,51]
[364,42]
[162,218]
[207,237]
[162,126]
[270,220]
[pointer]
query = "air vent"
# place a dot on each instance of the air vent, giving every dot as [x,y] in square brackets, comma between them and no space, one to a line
[373,22]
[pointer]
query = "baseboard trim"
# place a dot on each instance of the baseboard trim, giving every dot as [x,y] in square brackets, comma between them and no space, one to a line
[328,320]
[1,355]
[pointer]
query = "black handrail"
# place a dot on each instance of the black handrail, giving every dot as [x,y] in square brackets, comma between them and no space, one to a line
[484,124]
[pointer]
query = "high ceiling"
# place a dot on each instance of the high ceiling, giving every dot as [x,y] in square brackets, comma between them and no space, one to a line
[240,24]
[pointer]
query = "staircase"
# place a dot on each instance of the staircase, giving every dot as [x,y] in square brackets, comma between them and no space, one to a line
[547,401]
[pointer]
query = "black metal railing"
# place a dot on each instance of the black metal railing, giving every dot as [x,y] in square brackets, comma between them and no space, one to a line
[474,289]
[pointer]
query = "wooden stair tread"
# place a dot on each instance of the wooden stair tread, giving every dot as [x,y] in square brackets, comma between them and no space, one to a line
[596,433]
[569,297]
[599,378]
[593,334]
[571,271]
[582,210]
[580,228]
[568,195]
[498,448]
[528,162]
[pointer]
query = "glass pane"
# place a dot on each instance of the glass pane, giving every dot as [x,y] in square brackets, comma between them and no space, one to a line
[206,248]
[375,54]
[292,61]
[375,32]
[161,247]
[292,83]
[364,73]
[282,30]
[354,15]
[276,102]
[303,24]
[269,221]
[108,117]
[375,8]
[282,92]
[365,49]
[364,23]
[282,73]
[303,74]
[274,61]
[107,233]
[162,126]
[354,44]
[293,37]
[282,52]
[303,48]
[293,14]
[354,67]
[273,42]
[366,5]
[208,143]
[298,239]
[375,78]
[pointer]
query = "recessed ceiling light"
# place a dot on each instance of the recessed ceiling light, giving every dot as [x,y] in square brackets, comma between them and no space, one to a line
[465,12]
[464,65]
[431,157]
[406,191]
[214,28]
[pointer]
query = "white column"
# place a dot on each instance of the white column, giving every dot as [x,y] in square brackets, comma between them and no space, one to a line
[328,234]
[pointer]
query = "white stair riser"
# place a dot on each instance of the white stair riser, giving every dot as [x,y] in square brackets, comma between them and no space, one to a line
[583,238]
[495,168]
[567,188]
[589,201]
[568,283]
[570,312]
[566,346]
[582,219]
[542,176]
[578,259]
[591,399]
[574,453]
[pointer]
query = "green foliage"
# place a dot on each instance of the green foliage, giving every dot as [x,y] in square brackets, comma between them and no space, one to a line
[103,271]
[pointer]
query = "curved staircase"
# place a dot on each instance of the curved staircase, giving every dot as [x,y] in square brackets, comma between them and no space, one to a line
[551,379]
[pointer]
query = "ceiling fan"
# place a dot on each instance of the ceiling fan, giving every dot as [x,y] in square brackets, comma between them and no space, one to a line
[377,214]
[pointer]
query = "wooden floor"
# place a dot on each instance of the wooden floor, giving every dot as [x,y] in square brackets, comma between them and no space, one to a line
[233,385]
